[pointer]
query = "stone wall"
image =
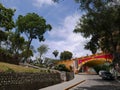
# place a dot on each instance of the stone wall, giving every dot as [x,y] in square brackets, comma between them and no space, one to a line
[69,76]
[28,81]
[66,76]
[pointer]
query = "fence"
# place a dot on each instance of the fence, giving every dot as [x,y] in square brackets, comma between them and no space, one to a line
[28,81]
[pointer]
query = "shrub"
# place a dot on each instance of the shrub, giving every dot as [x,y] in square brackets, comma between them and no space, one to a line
[62,67]
[6,56]
[9,70]
[101,67]
[48,71]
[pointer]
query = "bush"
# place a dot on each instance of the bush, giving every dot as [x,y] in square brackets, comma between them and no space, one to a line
[48,71]
[9,70]
[7,57]
[101,67]
[62,67]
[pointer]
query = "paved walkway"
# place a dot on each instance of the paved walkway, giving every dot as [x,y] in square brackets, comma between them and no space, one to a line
[64,85]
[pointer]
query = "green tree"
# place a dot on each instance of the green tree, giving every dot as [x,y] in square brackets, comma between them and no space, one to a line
[33,26]
[102,23]
[65,55]
[3,37]
[92,45]
[26,53]
[55,53]
[6,24]
[43,49]
[15,45]
[16,42]
[6,20]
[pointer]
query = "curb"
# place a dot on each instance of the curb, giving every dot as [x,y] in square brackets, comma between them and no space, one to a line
[75,85]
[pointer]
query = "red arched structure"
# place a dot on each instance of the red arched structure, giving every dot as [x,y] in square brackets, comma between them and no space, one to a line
[93,60]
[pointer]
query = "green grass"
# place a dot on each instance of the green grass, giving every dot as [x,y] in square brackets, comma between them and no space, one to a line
[5,67]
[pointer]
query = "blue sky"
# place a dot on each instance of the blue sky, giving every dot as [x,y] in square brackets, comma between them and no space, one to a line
[63,18]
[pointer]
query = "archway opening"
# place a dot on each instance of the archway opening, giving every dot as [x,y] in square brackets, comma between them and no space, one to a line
[93,66]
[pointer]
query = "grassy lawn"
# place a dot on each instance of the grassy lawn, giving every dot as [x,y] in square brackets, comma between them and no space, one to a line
[5,67]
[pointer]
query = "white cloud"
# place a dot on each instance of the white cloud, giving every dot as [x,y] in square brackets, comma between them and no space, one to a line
[40,3]
[65,39]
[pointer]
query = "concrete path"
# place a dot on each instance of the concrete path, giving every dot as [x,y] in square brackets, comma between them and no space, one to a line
[64,85]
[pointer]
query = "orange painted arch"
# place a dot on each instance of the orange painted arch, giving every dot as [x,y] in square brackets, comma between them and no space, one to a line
[95,57]
[92,59]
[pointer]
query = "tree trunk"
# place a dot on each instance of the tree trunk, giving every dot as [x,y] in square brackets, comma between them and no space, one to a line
[27,51]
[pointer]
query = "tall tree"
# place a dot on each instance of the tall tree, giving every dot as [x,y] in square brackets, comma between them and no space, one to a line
[6,24]
[16,43]
[102,23]
[66,55]
[33,26]
[55,53]
[3,37]
[6,21]
[43,49]
[25,54]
